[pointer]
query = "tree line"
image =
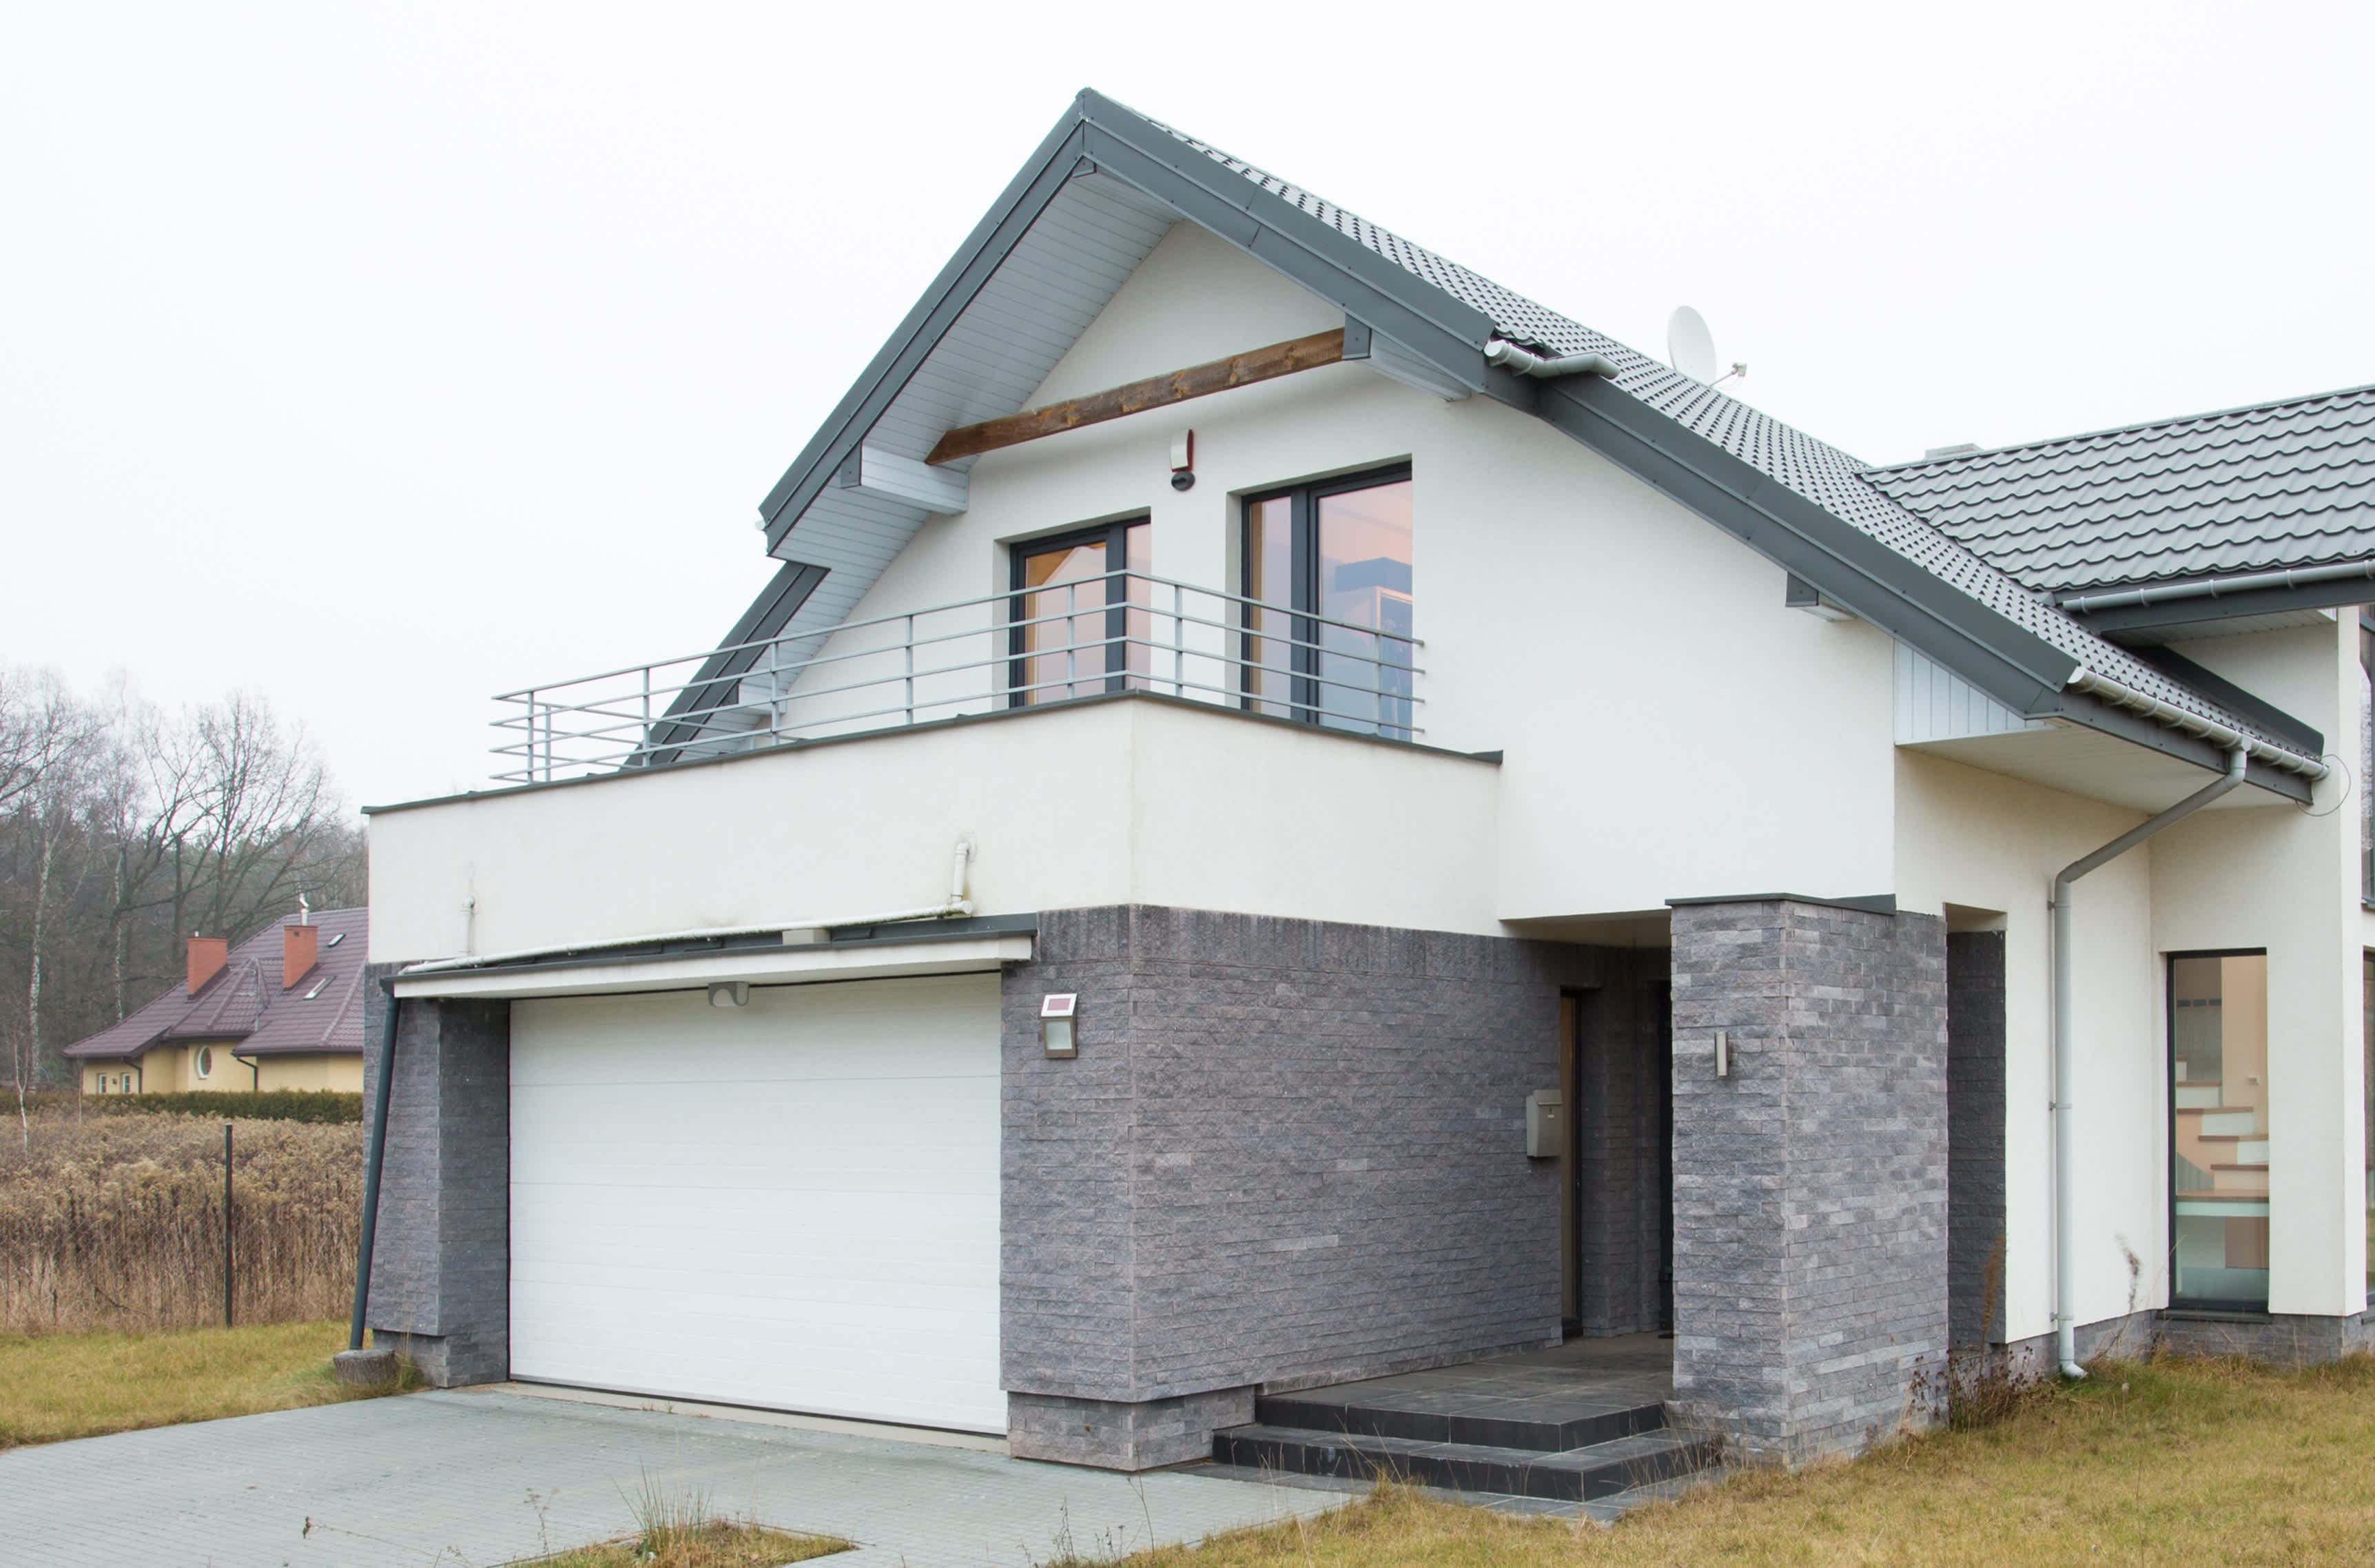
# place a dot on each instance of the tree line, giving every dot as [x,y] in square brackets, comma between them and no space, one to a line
[124,830]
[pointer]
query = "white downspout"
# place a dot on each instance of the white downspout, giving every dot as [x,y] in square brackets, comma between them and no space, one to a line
[2065,1291]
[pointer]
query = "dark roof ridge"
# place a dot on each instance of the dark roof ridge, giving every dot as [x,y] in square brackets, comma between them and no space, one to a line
[1949,460]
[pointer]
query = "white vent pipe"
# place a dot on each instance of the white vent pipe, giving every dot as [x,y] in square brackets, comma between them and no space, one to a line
[2065,1285]
[1526,362]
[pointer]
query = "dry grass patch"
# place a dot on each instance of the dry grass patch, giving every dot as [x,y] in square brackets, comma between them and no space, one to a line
[116,1222]
[59,1386]
[718,1544]
[2169,1463]
[676,1529]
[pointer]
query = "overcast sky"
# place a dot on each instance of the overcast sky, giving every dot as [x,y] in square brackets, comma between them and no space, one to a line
[379,361]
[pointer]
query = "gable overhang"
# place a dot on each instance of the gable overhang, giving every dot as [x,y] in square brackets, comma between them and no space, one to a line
[1443,335]
[1100,136]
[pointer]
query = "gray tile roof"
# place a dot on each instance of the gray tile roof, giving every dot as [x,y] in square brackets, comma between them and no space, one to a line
[246,1002]
[1842,485]
[2279,485]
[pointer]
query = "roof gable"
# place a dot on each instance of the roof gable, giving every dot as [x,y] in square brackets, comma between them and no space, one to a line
[246,1002]
[1095,198]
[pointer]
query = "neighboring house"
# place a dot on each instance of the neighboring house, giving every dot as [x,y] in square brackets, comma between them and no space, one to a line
[1459,835]
[284,1010]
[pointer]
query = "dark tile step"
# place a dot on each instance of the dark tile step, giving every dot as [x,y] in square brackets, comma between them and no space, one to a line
[1577,1475]
[1474,1420]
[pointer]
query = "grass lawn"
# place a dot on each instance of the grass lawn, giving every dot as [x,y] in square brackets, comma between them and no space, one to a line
[2182,1463]
[61,1386]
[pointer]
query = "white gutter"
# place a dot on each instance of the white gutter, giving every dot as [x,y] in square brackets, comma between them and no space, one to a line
[2119,696]
[1509,356]
[955,907]
[2065,1288]
[2214,588]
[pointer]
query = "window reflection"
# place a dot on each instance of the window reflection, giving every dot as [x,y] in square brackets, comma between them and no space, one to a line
[1078,630]
[2219,1142]
[1329,639]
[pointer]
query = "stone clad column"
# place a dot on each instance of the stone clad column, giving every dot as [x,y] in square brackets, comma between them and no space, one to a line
[441,1268]
[1810,1184]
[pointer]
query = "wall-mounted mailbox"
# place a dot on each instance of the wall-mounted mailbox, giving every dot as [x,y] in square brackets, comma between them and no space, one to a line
[1545,1125]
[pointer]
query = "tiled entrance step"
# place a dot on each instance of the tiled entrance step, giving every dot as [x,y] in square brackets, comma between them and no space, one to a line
[1574,1475]
[1583,1422]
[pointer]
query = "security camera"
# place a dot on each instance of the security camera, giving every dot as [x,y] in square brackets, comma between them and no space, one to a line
[1183,480]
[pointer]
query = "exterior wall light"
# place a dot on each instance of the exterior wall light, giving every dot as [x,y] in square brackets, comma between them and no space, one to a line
[1056,1013]
[730,994]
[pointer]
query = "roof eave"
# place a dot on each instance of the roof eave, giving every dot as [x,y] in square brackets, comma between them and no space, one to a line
[1017,206]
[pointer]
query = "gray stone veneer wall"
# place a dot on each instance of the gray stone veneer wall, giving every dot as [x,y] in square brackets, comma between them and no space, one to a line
[1287,1153]
[1810,1204]
[1975,1135]
[440,1268]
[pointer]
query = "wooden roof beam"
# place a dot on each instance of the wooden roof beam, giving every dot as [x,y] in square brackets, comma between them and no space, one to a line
[1265,363]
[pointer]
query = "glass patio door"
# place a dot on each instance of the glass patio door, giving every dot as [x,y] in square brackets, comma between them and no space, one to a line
[2218,1129]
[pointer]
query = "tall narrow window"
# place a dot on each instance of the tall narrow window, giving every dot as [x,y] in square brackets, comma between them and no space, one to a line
[1327,637]
[2219,1136]
[1080,624]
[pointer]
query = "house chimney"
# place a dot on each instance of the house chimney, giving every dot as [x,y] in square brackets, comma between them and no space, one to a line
[300,945]
[207,956]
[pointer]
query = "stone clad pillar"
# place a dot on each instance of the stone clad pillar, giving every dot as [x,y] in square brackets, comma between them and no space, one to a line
[1810,1183]
[440,1268]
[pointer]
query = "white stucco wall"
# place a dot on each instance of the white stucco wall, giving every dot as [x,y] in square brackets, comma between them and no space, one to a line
[2252,872]
[2286,879]
[1108,802]
[1985,842]
[1670,728]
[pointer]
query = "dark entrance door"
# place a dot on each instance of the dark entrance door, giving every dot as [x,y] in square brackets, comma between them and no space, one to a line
[1617,1213]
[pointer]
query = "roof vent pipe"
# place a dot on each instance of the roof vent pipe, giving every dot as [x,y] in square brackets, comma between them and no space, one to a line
[2065,926]
[1509,356]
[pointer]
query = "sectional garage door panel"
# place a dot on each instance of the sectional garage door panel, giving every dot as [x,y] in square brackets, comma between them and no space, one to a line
[792,1204]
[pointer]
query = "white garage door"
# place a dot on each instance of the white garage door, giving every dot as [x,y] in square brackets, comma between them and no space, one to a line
[792,1204]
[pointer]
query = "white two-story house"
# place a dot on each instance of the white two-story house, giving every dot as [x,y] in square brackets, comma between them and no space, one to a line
[1292,814]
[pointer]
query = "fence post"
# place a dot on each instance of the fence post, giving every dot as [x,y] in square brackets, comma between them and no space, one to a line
[227,1226]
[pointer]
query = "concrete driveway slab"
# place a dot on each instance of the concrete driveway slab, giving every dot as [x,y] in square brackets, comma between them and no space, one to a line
[465,1480]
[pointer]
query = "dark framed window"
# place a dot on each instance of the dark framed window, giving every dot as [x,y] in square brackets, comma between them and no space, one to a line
[2218,1129]
[1077,621]
[1328,632]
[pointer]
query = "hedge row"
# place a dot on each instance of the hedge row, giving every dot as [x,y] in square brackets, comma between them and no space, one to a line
[268,1105]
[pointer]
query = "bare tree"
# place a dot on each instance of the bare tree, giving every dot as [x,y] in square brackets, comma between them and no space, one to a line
[48,743]
[123,830]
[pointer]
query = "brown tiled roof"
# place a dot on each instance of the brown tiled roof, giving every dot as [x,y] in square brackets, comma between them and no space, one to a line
[323,1011]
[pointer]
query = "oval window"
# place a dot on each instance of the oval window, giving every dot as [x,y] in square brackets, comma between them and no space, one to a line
[205,1060]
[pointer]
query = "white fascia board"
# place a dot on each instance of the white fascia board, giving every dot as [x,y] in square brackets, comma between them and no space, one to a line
[766,966]
[940,491]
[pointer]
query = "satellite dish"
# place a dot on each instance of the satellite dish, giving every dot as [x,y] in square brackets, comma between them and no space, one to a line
[1690,347]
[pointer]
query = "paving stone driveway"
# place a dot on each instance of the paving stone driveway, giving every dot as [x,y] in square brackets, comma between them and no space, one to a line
[470,1479]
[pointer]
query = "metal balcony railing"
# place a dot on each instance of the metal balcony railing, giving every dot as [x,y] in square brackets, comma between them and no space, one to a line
[1090,636]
